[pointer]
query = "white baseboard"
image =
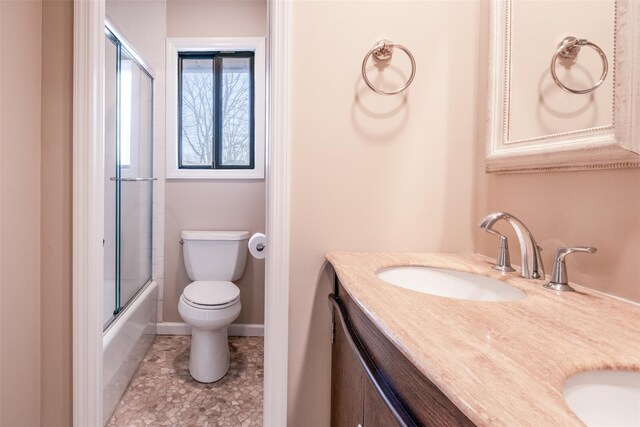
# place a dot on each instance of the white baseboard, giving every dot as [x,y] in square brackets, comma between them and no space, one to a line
[173,328]
[235,330]
[246,330]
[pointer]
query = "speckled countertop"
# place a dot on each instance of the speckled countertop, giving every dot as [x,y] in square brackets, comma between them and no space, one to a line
[500,363]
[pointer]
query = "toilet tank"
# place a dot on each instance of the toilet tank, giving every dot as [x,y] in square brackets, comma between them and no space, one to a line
[215,255]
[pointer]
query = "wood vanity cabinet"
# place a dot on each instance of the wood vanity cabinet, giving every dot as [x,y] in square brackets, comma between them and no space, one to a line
[373,384]
[354,399]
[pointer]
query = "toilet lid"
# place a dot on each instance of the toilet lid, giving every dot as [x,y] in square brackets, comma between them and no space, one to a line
[211,292]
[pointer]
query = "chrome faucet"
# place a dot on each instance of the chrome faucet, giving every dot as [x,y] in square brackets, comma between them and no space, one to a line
[531,262]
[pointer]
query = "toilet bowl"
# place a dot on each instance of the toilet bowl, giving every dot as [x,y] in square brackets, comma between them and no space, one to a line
[212,302]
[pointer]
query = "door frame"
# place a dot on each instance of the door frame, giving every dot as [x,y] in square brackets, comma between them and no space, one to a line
[88,213]
[278,167]
[88,210]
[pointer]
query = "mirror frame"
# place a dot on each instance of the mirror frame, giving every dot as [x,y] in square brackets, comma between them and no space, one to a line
[607,147]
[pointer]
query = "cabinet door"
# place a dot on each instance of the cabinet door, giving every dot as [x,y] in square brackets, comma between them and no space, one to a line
[376,413]
[347,384]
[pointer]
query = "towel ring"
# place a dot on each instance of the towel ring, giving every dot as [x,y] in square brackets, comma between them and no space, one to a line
[382,52]
[569,48]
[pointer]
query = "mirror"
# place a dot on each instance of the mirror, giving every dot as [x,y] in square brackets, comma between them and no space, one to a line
[581,118]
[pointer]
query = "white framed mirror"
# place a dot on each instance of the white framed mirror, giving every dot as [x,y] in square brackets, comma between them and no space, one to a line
[534,124]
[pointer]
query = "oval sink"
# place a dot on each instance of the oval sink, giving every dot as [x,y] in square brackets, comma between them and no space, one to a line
[604,398]
[450,283]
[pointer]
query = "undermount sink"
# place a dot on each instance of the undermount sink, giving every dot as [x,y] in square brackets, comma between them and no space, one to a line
[450,283]
[604,398]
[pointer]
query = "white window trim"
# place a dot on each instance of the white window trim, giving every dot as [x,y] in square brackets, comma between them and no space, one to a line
[177,45]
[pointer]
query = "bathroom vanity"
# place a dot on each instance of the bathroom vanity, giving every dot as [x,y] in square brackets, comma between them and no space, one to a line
[373,383]
[404,357]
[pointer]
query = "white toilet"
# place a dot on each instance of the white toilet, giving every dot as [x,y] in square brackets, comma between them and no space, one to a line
[213,259]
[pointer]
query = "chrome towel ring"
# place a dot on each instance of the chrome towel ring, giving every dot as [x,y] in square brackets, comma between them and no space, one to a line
[569,48]
[382,52]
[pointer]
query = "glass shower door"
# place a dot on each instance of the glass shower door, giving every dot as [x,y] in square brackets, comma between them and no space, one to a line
[128,177]
[135,182]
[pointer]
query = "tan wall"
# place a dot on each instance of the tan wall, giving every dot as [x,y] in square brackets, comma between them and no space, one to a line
[20,50]
[372,172]
[600,209]
[1,223]
[214,205]
[595,208]
[362,180]
[56,216]
[216,18]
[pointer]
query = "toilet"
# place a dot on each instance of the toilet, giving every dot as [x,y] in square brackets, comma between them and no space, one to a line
[213,260]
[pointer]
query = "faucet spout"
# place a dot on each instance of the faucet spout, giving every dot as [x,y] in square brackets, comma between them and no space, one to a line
[531,261]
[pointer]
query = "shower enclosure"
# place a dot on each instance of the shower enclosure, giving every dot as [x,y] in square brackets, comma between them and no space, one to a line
[128,175]
[130,294]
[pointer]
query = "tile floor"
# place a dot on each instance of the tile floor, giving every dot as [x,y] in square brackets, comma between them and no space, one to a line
[162,393]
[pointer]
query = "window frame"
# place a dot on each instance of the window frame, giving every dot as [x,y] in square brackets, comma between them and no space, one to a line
[217,70]
[223,46]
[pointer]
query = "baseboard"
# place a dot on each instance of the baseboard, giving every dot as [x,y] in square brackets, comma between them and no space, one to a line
[235,330]
[246,330]
[173,328]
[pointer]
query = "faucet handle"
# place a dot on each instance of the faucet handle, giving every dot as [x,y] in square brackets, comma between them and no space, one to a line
[559,279]
[561,253]
[503,262]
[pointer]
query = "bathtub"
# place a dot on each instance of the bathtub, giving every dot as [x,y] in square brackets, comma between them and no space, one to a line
[124,345]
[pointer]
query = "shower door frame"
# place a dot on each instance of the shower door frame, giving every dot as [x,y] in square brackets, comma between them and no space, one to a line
[122,45]
[88,212]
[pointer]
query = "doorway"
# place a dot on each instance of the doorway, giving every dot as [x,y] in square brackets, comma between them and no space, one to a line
[89,191]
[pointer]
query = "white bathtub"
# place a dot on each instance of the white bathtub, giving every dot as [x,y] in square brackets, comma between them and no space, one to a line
[124,345]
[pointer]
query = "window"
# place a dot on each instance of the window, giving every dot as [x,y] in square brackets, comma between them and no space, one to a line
[215,92]
[216,108]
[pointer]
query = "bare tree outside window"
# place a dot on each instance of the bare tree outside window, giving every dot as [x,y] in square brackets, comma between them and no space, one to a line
[198,102]
[197,112]
[235,111]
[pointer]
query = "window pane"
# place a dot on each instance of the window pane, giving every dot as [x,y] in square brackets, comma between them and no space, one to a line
[196,139]
[236,112]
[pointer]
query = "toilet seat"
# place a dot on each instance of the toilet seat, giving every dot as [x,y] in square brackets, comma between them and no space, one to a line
[211,295]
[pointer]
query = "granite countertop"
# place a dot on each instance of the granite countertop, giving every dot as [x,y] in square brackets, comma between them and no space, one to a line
[500,363]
